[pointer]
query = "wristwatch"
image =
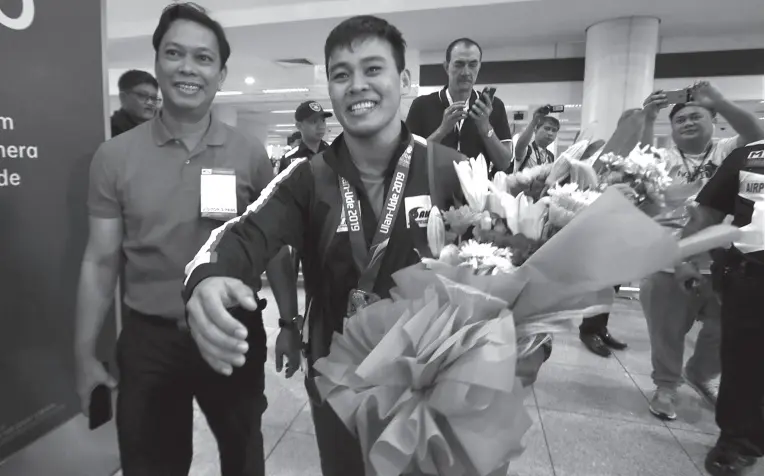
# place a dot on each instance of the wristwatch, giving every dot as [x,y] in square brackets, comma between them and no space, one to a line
[290,324]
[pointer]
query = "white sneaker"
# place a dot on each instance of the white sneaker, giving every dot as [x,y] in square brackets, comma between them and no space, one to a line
[663,403]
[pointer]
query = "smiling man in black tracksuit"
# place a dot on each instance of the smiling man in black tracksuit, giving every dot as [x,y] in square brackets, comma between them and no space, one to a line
[375,182]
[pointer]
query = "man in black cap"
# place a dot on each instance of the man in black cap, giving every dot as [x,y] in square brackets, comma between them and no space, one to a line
[311,122]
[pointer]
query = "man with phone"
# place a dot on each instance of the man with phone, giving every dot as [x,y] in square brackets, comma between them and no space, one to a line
[156,193]
[671,309]
[544,129]
[460,117]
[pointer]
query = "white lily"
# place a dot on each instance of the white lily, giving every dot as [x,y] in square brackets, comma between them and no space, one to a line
[512,213]
[532,218]
[474,181]
[500,181]
[436,232]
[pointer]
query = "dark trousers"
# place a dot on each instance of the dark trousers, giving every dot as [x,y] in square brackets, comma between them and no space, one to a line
[161,371]
[339,449]
[739,411]
[597,323]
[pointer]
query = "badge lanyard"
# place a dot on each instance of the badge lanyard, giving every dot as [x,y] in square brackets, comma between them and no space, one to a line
[368,261]
[541,158]
[692,176]
[458,126]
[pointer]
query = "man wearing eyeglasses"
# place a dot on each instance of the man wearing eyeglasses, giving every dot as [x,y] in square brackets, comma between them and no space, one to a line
[138,99]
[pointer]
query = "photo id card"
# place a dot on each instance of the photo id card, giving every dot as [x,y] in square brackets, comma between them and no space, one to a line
[218,194]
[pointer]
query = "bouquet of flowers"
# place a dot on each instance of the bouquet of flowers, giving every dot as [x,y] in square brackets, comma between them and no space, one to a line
[426,379]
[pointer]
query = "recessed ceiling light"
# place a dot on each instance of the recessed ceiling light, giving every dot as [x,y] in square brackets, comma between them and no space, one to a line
[285,90]
[249,80]
[285,125]
[229,93]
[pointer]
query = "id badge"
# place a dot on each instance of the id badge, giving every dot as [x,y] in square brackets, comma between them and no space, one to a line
[218,194]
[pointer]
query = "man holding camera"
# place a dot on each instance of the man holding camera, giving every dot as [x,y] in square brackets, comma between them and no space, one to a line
[459,117]
[670,309]
[544,128]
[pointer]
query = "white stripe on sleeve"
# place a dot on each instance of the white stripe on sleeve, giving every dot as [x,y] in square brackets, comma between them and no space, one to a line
[205,254]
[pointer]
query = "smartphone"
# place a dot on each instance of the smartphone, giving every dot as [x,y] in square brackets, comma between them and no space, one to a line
[489,91]
[678,96]
[557,109]
[100,409]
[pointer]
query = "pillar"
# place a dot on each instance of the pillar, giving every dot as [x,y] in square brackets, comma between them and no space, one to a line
[619,67]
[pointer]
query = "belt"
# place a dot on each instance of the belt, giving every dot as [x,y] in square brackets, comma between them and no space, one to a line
[180,324]
[159,321]
[738,261]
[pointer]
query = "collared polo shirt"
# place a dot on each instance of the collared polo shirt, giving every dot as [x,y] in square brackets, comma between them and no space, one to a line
[427,113]
[149,180]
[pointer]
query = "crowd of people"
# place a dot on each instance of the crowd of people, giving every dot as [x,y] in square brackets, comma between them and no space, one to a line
[191,252]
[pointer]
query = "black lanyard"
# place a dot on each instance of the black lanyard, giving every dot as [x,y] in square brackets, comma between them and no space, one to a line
[692,176]
[368,261]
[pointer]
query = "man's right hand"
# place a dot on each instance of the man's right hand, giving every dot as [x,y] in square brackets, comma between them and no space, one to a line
[655,103]
[90,374]
[453,115]
[221,339]
[688,277]
[540,114]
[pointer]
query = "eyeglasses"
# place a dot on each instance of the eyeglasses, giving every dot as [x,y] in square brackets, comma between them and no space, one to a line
[147,98]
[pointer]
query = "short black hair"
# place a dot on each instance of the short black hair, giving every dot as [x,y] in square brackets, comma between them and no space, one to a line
[191,12]
[133,78]
[680,106]
[552,120]
[461,41]
[361,28]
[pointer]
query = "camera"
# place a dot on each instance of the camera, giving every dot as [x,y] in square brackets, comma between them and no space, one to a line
[552,109]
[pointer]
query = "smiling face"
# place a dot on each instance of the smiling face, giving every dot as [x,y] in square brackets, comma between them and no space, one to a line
[692,126]
[365,87]
[188,68]
[463,67]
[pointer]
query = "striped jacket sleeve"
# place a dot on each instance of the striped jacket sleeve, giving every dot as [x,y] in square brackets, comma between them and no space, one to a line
[243,246]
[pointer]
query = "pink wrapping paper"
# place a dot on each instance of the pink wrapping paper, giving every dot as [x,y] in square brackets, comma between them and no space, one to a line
[428,383]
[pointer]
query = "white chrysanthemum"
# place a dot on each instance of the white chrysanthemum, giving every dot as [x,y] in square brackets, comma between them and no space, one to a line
[473,249]
[499,263]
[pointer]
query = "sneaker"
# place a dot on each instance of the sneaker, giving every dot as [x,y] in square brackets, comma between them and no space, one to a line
[663,403]
[707,390]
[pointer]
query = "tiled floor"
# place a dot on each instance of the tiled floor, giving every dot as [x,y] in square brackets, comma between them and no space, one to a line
[590,416]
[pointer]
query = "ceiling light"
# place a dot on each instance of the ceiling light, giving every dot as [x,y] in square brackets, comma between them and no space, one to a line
[249,80]
[573,106]
[285,111]
[285,90]
[285,125]
[229,93]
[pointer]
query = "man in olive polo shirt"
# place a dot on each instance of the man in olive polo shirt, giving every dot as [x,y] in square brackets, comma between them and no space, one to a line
[156,194]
